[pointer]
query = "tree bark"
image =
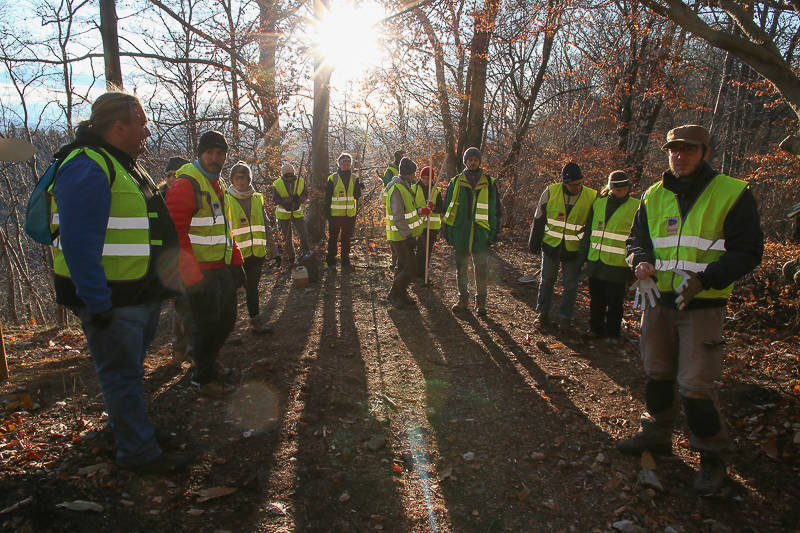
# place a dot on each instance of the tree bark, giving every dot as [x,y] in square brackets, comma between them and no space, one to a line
[319,138]
[108,30]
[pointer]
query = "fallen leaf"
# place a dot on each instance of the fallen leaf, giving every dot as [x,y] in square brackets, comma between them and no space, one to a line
[771,447]
[214,492]
[81,505]
[647,461]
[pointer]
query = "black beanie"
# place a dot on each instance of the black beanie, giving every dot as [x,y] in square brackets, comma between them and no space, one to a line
[407,167]
[471,152]
[175,163]
[211,139]
[571,172]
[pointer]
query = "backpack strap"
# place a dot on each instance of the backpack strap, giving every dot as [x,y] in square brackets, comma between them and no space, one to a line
[198,194]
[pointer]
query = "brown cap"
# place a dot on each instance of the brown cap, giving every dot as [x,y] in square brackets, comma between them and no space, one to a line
[689,134]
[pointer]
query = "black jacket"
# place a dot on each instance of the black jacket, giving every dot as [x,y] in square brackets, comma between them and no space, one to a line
[744,240]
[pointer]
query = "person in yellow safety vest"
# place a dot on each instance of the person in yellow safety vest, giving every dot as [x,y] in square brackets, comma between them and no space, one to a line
[342,192]
[559,224]
[392,170]
[115,261]
[210,261]
[403,226]
[429,209]
[696,232]
[252,231]
[612,215]
[472,221]
[289,193]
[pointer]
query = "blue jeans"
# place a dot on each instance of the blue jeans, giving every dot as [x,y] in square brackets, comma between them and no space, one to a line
[569,272]
[118,352]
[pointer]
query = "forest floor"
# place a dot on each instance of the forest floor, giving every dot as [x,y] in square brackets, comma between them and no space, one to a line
[354,416]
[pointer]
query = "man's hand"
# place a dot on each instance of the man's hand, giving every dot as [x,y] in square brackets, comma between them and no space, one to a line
[644,270]
[647,293]
[101,320]
[688,288]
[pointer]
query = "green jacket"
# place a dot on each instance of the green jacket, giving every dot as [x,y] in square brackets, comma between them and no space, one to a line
[464,233]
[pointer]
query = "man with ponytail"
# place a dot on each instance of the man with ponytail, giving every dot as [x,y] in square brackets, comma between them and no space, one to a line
[115,260]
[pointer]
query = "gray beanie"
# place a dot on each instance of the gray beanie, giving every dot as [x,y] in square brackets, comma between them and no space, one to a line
[471,152]
[241,165]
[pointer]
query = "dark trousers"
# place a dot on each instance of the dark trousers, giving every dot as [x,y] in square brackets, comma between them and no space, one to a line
[213,308]
[301,232]
[252,274]
[607,298]
[181,325]
[404,250]
[345,226]
[421,250]
[480,260]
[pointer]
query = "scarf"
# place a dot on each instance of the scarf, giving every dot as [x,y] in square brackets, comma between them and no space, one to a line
[241,195]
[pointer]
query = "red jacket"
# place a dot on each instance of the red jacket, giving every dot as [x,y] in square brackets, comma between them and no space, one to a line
[180,202]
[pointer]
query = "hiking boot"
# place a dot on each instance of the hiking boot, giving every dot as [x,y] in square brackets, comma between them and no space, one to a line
[166,463]
[644,442]
[219,388]
[460,306]
[713,474]
[542,321]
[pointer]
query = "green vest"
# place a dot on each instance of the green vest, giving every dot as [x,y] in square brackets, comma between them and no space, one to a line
[343,202]
[250,235]
[608,238]
[420,202]
[561,227]
[297,189]
[390,174]
[693,243]
[209,230]
[480,201]
[126,247]
[411,215]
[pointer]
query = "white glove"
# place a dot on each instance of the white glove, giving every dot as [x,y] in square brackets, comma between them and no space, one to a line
[647,293]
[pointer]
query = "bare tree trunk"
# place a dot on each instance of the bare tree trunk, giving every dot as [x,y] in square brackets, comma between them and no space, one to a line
[319,138]
[267,50]
[108,30]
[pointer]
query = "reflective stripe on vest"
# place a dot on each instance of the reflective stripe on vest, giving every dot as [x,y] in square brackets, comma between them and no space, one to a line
[608,238]
[567,228]
[343,202]
[480,207]
[209,230]
[693,243]
[126,245]
[250,235]
[297,189]
[420,202]
[412,217]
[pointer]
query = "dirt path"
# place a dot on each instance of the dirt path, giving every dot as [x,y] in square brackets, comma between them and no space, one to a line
[354,416]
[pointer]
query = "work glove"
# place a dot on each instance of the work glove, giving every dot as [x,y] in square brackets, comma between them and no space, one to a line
[425,211]
[791,270]
[647,293]
[101,320]
[276,261]
[239,276]
[688,288]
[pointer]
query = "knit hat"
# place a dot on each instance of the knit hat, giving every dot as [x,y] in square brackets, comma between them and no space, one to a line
[471,152]
[427,171]
[211,139]
[241,165]
[688,133]
[344,155]
[287,169]
[175,163]
[571,172]
[407,167]
[618,178]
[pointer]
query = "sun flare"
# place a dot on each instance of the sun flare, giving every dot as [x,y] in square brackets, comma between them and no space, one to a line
[349,37]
